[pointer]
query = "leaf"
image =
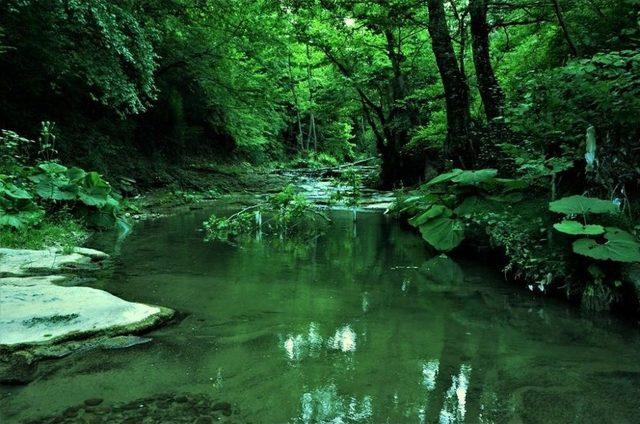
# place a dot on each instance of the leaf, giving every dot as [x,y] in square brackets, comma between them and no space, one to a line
[433,211]
[94,191]
[52,167]
[473,205]
[620,247]
[475,177]
[14,192]
[443,233]
[575,228]
[444,177]
[19,214]
[581,205]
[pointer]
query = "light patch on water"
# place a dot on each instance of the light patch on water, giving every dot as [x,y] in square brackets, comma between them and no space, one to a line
[455,404]
[298,346]
[365,302]
[405,285]
[344,339]
[293,346]
[430,374]
[325,405]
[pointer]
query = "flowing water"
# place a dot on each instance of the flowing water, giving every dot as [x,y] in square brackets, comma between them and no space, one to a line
[359,325]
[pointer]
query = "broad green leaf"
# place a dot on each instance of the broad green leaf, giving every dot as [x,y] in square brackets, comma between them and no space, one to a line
[433,211]
[575,228]
[442,233]
[475,177]
[14,192]
[95,191]
[580,205]
[52,167]
[620,247]
[444,177]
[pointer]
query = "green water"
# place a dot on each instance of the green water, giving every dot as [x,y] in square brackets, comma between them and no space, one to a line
[359,325]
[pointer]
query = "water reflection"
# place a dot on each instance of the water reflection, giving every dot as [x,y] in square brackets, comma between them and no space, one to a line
[325,405]
[298,346]
[455,404]
[430,374]
[344,339]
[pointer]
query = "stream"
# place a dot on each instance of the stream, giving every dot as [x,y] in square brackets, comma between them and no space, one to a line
[360,325]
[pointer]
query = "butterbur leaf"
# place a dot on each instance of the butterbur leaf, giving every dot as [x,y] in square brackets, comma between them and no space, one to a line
[444,177]
[443,233]
[620,247]
[475,177]
[575,228]
[52,167]
[432,212]
[581,205]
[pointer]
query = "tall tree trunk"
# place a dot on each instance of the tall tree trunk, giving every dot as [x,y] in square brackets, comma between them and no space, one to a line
[458,147]
[563,26]
[490,90]
[300,135]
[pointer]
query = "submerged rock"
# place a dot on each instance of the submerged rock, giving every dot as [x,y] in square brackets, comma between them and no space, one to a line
[166,408]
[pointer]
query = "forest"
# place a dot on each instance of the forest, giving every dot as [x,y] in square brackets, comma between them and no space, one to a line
[449,167]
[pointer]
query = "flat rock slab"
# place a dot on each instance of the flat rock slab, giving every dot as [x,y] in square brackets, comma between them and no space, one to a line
[33,314]
[43,316]
[22,262]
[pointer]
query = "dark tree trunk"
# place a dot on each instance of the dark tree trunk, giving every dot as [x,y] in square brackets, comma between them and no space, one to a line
[490,91]
[565,29]
[459,146]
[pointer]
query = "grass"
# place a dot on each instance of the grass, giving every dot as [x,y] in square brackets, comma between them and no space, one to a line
[61,231]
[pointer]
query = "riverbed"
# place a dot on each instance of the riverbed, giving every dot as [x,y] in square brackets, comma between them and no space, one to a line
[360,324]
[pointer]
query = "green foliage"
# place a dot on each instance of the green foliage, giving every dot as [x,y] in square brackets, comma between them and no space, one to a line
[575,228]
[17,208]
[53,230]
[620,246]
[348,188]
[581,205]
[441,206]
[286,214]
[90,195]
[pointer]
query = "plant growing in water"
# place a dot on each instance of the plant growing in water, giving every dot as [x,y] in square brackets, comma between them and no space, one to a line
[286,214]
[348,190]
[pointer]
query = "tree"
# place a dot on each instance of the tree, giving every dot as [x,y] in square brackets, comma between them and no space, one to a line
[490,90]
[459,146]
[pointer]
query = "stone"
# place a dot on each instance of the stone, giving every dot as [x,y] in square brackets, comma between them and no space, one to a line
[23,262]
[93,402]
[46,313]
[42,316]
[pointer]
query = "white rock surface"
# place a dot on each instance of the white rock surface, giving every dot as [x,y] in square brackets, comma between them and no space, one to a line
[43,312]
[22,262]
[34,310]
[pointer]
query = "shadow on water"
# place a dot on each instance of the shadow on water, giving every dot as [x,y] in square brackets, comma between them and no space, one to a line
[357,325]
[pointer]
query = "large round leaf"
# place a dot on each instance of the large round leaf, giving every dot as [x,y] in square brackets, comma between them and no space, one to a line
[575,228]
[581,205]
[444,177]
[443,233]
[433,211]
[620,247]
[475,177]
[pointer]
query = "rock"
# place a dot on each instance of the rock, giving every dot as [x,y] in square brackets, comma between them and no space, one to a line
[93,402]
[19,262]
[47,313]
[39,318]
